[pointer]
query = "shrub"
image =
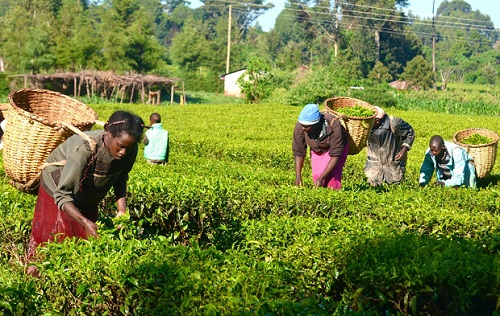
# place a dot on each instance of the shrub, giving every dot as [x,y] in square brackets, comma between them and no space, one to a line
[418,72]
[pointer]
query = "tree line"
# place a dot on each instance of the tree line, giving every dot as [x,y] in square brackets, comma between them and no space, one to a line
[366,38]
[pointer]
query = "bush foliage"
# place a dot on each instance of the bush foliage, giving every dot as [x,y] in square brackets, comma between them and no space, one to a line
[222,230]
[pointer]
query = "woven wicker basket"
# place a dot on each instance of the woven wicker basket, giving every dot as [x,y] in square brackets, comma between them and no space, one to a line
[357,127]
[484,155]
[38,121]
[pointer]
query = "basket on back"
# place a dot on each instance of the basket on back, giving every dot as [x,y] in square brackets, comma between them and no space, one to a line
[38,121]
[357,127]
[484,155]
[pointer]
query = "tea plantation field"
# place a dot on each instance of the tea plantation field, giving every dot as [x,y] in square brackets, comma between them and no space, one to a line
[222,230]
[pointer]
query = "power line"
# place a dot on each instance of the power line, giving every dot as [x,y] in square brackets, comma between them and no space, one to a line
[455,26]
[410,19]
[384,30]
[360,16]
[416,22]
[460,21]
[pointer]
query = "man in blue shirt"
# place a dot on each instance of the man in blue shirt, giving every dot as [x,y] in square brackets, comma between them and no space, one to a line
[156,140]
[453,165]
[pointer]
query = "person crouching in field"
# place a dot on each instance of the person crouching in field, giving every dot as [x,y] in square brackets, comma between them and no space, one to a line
[388,143]
[328,143]
[453,165]
[156,141]
[77,176]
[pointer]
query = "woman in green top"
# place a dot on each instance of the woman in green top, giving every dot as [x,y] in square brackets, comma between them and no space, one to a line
[78,175]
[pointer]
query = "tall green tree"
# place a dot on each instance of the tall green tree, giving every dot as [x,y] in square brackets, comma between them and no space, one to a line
[243,12]
[4,7]
[128,36]
[309,28]
[461,34]
[76,40]
[418,72]
[380,73]
[188,45]
[375,16]
[172,20]
[27,36]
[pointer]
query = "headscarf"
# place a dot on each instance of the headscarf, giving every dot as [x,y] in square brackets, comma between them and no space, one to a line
[309,115]
[380,112]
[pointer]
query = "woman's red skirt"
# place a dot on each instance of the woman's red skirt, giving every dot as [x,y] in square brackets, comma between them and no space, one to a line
[51,223]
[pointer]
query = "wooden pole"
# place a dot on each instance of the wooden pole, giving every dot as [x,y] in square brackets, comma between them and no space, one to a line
[184,93]
[112,96]
[75,92]
[434,84]
[80,82]
[228,39]
[172,95]
[142,87]
[89,93]
[132,91]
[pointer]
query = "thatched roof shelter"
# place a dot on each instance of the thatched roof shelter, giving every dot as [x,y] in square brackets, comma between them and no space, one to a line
[104,84]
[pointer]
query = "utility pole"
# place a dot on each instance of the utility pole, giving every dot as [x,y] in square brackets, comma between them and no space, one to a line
[434,85]
[336,34]
[228,39]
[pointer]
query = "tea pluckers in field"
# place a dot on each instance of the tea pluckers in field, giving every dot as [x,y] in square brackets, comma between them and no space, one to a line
[78,174]
[156,140]
[453,165]
[328,143]
[388,143]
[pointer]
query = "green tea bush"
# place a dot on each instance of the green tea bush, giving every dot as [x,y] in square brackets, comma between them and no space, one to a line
[450,102]
[378,96]
[222,230]
[318,86]
[418,274]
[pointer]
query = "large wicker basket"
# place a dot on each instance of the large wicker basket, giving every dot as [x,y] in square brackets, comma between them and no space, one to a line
[357,127]
[38,121]
[484,155]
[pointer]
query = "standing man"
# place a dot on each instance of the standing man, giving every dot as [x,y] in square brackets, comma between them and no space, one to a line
[156,140]
[388,144]
[453,165]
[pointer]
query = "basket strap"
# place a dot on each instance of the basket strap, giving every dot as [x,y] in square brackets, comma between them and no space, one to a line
[32,185]
[75,130]
[342,117]
[29,187]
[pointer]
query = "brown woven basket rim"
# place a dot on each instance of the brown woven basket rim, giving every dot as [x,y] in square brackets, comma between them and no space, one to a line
[493,135]
[46,121]
[4,107]
[349,116]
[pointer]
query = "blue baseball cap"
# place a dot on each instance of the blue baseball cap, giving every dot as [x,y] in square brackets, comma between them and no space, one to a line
[309,115]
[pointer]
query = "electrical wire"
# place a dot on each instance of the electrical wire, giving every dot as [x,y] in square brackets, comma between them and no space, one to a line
[390,31]
[439,20]
[361,15]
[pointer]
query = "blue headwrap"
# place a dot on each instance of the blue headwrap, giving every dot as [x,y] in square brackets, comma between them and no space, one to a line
[310,115]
